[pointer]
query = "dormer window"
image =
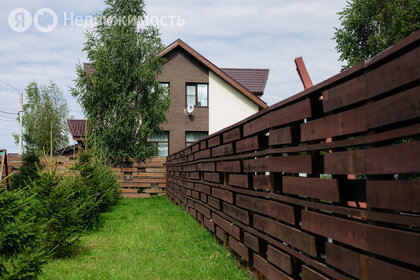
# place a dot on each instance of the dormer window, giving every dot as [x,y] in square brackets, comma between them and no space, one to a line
[197,94]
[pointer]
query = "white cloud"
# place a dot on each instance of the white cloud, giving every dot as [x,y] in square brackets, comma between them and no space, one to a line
[235,33]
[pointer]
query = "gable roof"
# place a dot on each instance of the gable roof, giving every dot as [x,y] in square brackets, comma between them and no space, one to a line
[219,72]
[253,80]
[77,129]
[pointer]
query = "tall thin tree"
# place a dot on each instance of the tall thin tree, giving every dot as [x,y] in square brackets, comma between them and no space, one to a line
[119,91]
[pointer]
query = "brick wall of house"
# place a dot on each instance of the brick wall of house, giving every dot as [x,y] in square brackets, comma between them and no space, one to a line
[181,68]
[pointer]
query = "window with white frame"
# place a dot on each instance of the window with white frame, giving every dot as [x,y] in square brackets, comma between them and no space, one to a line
[197,95]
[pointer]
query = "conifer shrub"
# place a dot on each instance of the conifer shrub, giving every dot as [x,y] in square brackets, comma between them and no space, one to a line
[45,211]
[100,183]
[21,251]
[60,202]
[27,173]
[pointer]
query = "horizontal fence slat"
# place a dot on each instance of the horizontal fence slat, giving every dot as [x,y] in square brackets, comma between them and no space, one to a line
[348,122]
[280,136]
[290,235]
[393,109]
[268,270]
[400,245]
[313,187]
[394,74]
[236,213]
[344,94]
[295,112]
[280,259]
[238,180]
[247,144]
[310,274]
[395,194]
[355,264]
[232,135]
[279,164]
[273,209]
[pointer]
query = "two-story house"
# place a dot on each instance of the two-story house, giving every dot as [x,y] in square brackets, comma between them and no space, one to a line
[205,98]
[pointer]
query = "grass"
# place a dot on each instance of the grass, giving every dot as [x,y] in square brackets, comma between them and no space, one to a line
[147,239]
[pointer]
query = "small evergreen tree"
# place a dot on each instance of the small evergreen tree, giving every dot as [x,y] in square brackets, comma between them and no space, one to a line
[21,250]
[27,173]
[60,205]
[97,176]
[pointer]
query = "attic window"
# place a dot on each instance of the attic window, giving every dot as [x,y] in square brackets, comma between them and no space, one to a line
[197,95]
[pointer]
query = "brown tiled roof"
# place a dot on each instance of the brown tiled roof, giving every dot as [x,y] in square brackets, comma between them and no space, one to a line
[77,129]
[253,80]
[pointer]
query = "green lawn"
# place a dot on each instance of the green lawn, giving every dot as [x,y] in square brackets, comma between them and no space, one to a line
[147,239]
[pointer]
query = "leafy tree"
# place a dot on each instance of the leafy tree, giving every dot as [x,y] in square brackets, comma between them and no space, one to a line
[44,114]
[121,97]
[370,26]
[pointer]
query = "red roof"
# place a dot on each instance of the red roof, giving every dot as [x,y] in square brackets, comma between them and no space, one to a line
[253,80]
[77,129]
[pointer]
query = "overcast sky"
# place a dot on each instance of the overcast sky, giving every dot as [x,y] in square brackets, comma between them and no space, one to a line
[236,33]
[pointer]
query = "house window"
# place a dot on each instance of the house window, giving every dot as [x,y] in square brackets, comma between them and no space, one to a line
[197,95]
[194,136]
[165,85]
[161,139]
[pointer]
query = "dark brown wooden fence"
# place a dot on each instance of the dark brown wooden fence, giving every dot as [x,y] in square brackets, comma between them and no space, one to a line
[323,185]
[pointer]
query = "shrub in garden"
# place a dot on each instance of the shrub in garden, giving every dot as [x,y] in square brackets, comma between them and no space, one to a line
[60,202]
[99,181]
[21,252]
[48,210]
[72,201]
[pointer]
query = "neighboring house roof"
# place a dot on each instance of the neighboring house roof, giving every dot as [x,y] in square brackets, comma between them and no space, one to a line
[253,80]
[67,150]
[219,72]
[77,129]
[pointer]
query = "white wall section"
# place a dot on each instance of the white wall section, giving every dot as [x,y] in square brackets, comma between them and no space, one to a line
[226,105]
